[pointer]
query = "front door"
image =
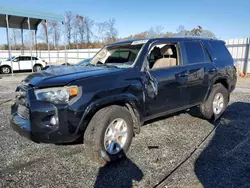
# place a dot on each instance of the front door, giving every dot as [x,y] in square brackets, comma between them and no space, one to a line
[15,64]
[171,80]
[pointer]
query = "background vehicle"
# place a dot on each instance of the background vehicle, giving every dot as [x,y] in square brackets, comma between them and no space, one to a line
[21,63]
[125,84]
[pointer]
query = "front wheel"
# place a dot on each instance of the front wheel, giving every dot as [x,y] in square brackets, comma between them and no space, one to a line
[216,102]
[109,134]
[5,70]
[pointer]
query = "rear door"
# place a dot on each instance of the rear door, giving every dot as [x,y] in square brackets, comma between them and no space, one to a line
[200,67]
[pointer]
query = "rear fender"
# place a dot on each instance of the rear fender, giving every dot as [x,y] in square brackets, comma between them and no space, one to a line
[213,81]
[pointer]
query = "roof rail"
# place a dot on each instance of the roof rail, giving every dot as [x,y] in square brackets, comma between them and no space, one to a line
[195,37]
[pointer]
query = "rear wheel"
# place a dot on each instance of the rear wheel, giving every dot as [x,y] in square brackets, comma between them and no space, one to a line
[5,70]
[216,102]
[109,134]
[37,68]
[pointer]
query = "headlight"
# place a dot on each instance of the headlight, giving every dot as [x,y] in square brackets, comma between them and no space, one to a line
[60,95]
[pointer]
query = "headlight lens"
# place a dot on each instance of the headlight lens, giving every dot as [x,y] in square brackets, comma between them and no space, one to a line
[60,95]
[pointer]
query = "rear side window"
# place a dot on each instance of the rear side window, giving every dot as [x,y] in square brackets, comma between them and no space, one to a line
[206,54]
[220,50]
[195,53]
[28,58]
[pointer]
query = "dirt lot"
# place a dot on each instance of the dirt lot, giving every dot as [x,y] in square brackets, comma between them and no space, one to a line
[183,155]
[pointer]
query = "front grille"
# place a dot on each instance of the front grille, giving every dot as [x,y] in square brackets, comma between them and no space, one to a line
[21,102]
[23,112]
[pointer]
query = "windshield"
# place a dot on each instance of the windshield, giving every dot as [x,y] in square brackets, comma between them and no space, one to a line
[121,56]
[11,58]
[83,62]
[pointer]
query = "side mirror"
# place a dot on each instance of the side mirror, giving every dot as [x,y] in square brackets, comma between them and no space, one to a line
[14,60]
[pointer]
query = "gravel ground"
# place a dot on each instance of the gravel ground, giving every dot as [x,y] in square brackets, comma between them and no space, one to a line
[222,160]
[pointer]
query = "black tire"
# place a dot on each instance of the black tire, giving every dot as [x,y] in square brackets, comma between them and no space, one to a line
[206,108]
[37,68]
[5,70]
[94,134]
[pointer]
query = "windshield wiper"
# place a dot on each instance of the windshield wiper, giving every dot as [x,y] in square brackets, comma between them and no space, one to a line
[106,65]
[88,65]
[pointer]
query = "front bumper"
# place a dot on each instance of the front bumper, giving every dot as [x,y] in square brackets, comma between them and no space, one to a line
[21,126]
[35,123]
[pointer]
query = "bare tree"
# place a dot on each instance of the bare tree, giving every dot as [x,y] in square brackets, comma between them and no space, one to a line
[68,24]
[45,32]
[75,35]
[159,30]
[207,33]
[15,35]
[156,31]
[168,34]
[180,28]
[101,29]
[89,23]
[56,33]
[79,25]
[141,35]
[111,33]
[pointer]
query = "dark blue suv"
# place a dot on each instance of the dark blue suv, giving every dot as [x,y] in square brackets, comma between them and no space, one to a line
[106,101]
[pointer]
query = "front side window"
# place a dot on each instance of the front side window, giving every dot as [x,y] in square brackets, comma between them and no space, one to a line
[163,56]
[22,58]
[194,52]
[121,56]
[16,59]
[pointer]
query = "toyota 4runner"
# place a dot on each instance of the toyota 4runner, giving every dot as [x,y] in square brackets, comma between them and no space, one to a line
[106,101]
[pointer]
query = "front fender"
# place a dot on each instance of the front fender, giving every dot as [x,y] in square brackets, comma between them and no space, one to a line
[121,99]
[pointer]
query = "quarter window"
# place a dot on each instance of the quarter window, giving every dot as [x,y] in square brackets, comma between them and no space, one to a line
[220,50]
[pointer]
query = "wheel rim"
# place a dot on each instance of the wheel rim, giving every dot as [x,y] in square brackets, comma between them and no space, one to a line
[218,103]
[38,69]
[5,70]
[115,136]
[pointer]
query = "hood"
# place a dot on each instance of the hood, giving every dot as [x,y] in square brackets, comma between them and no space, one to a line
[62,75]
